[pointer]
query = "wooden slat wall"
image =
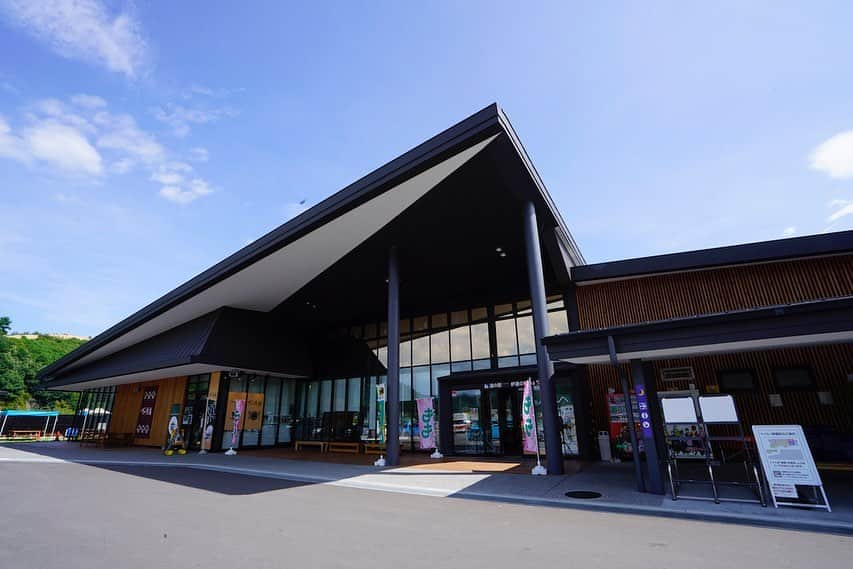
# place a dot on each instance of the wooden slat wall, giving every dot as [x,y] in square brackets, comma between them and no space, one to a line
[830,364]
[126,408]
[644,299]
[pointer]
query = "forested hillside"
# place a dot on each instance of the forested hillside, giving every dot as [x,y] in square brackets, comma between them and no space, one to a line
[20,361]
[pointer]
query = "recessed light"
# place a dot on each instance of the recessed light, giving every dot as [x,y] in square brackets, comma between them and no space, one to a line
[503,254]
[498,250]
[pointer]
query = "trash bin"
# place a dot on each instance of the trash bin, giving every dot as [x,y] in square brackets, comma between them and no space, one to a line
[604,446]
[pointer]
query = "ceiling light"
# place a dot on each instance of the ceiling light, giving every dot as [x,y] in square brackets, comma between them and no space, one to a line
[499,250]
[503,254]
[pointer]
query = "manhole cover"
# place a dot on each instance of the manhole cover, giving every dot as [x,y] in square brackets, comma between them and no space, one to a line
[583,494]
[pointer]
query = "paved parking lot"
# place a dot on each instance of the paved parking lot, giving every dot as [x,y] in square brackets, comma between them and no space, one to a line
[62,515]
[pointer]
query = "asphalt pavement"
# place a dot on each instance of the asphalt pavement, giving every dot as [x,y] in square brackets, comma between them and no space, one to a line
[68,516]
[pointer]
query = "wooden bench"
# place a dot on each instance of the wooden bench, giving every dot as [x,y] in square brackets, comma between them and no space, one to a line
[374,448]
[119,440]
[353,448]
[26,434]
[92,438]
[301,444]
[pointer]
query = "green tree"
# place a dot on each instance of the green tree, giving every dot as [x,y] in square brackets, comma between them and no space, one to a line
[20,361]
[5,325]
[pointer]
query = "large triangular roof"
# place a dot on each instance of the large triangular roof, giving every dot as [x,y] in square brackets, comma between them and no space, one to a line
[265,273]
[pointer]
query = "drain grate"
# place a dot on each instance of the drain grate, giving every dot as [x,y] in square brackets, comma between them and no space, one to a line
[583,494]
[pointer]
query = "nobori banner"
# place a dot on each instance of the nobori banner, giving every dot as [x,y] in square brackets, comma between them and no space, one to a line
[426,418]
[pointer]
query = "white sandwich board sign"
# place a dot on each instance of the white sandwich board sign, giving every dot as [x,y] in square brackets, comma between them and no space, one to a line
[787,463]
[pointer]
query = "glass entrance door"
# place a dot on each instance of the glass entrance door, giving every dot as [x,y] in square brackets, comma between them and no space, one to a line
[509,403]
[486,420]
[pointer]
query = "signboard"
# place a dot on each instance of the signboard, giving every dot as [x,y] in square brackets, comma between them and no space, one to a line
[426,416]
[209,421]
[239,405]
[146,412]
[380,412]
[718,409]
[254,411]
[643,408]
[528,420]
[787,462]
[619,423]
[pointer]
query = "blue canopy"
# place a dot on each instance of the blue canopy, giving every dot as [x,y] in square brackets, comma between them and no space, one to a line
[29,413]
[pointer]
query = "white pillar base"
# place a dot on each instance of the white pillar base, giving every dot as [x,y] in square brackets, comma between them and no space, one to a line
[436,454]
[379,461]
[539,470]
[230,452]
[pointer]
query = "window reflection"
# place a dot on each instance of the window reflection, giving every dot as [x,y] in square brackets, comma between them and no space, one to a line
[480,341]
[431,346]
[440,347]
[460,343]
[526,338]
[507,342]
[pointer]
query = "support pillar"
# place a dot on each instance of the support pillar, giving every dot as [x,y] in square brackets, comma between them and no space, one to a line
[545,369]
[646,398]
[392,392]
[629,410]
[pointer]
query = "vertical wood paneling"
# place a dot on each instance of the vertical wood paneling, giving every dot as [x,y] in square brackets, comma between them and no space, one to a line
[126,408]
[645,299]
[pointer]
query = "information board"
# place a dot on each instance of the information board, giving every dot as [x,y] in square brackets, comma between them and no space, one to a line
[787,462]
[718,409]
[678,410]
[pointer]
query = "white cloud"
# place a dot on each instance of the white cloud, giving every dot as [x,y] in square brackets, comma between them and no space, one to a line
[843,208]
[87,139]
[63,146]
[180,118]
[171,174]
[121,133]
[184,195]
[12,146]
[180,185]
[50,141]
[788,231]
[84,30]
[834,156]
[88,101]
[199,154]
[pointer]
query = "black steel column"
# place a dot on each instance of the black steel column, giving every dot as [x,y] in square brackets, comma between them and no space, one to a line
[445,418]
[550,426]
[629,410]
[392,393]
[648,424]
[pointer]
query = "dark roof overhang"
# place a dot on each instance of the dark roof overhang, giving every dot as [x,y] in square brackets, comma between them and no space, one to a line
[228,338]
[179,306]
[806,323]
[762,252]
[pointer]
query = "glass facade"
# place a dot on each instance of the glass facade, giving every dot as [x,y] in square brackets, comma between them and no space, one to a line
[335,406]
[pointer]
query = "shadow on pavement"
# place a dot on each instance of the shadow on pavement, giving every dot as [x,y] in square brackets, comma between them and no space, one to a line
[209,480]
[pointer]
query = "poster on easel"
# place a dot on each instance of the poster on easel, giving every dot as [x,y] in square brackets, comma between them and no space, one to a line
[789,467]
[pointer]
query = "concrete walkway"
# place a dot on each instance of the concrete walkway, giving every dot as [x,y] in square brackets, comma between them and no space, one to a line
[613,481]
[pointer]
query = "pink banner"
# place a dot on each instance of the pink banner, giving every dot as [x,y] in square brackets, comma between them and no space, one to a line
[239,406]
[528,419]
[426,419]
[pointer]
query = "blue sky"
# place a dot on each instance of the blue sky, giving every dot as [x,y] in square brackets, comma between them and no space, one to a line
[142,142]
